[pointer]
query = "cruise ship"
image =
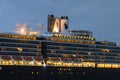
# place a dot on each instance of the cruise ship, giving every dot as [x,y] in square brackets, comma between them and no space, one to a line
[59,54]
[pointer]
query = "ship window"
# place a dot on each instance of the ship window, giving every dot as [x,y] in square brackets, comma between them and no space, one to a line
[84,73]
[53,51]
[37,72]
[19,49]
[32,73]
[105,50]
[3,49]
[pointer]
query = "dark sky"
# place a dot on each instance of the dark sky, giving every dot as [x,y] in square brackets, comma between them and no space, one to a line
[102,17]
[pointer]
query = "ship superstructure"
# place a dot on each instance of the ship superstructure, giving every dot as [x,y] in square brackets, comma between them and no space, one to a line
[81,51]
[60,53]
[78,48]
[21,50]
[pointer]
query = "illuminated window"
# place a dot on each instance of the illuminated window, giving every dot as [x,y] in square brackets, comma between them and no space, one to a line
[115,66]
[105,50]
[3,49]
[53,51]
[19,49]
[38,46]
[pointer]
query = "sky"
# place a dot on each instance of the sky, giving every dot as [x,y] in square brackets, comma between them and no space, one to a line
[102,17]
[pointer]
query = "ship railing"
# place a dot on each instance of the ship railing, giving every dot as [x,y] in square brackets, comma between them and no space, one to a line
[68,62]
[79,64]
[33,61]
[23,60]
[27,63]
[88,64]
[38,60]
[71,62]
[108,65]
[19,61]
[5,60]
[54,61]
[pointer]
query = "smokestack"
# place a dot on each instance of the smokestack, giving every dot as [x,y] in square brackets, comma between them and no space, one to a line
[56,24]
[51,20]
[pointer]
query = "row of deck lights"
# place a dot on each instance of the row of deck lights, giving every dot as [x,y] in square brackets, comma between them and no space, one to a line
[76,37]
[59,63]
